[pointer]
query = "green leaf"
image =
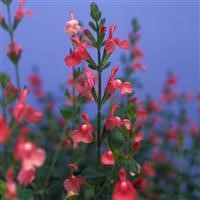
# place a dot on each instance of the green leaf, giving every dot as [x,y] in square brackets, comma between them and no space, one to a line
[117,142]
[94,12]
[131,111]
[91,173]
[106,65]
[7,1]
[92,25]
[4,80]
[94,95]
[66,113]
[26,194]
[2,187]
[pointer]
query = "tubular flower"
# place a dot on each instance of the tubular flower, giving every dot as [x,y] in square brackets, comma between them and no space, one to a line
[73,184]
[84,132]
[21,11]
[83,88]
[147,169]
[11,91]
[112,121]
[29,154]
[107,158]
[90,78]
[1,18]
[79,54]
[124,189]
[4,131]
[137,140]
[31,157]
[113,84]
[25,177]
[112,42]
[72,26]
[11,188]
[14,50]
[23,111]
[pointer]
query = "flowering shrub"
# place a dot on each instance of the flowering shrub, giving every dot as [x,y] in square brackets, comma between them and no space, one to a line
[130,150]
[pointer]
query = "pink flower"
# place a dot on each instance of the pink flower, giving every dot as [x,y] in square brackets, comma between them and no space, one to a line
[84,132]
[124,189]
[11,91]
[137,66]
[1,18]
[90,78]
[14,50]
[154,138]
[25,177]
[137,140]
[73,184]
[29,154]
[107,158]
[172,80]
[112,42]
[126,88]
[73,166]
[23,111]
[4,131]
[21,11]
[127,124]
[72,26]
[113,84]
[83,88]
[112,121]
[148,170]
[79,54]
[11,188]
[136,52]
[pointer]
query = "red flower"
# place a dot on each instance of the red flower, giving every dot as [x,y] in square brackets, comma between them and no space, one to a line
[83,88]
[79,54]
[124,189]
[72,26]
[21,11]
[29,154]
[136,52]
[137,140]
[1,18]
[14,50]
[90,78]
[23,111]
[73,184]
[4,131]
[107,158]
[112,42]
[113,84]
[10,91]
[137,66]
[84,132]
[142,184]
[148,170]
[25,177]
[127,124]
[11,188]
[73,166]
[112,121]
[172,80]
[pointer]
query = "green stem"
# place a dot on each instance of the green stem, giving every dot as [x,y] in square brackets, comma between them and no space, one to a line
[99,100]
[17,77]
[73,92]
[11,34]
[55,157]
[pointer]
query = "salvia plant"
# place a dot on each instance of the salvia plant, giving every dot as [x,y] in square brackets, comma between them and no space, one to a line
[130,150]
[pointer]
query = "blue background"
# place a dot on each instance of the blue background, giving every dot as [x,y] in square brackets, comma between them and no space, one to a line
[170,39]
